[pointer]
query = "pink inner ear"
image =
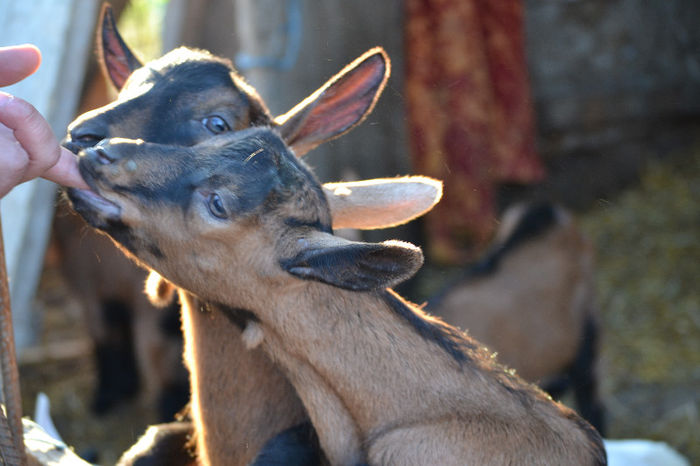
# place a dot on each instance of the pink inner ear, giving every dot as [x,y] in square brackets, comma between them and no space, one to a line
[116,59]
[347,101]
[339,105]
[116,63]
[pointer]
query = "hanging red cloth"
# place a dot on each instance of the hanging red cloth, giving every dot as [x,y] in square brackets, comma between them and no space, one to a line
[470,113]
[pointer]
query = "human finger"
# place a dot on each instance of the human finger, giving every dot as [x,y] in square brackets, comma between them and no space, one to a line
[65,171]
[17,62]
[13,160]
[32,132]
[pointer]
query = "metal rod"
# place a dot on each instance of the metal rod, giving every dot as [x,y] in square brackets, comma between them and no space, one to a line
[10,373]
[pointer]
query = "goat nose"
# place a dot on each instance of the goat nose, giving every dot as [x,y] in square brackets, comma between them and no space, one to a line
[100,154]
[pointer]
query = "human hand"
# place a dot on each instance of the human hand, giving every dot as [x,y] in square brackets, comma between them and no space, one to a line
[28,147]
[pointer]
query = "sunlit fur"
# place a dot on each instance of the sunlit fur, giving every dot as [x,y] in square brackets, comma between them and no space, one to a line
[381,381]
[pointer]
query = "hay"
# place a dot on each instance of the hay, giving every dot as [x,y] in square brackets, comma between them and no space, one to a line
[647,277]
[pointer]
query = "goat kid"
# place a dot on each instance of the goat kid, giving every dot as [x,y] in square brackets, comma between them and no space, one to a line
[240,222]
[189,96]
[544,324]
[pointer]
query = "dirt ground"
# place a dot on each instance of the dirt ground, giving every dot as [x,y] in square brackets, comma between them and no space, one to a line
[648,264]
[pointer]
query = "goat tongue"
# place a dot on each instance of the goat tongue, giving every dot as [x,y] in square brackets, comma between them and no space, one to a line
[88,202]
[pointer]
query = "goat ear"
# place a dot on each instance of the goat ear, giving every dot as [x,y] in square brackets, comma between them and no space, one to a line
[160,292]
[381,202]
[115,58]
[337,106]
[354,265]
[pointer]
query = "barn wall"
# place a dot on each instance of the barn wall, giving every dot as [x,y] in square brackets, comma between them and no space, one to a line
[598,63]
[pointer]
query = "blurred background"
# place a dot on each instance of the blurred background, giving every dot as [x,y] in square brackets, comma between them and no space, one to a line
[591,104]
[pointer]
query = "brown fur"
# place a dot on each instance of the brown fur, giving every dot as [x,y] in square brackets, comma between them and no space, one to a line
[382,382]
[221,384]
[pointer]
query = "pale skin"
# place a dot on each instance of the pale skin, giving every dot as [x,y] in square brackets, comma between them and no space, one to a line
[28,147]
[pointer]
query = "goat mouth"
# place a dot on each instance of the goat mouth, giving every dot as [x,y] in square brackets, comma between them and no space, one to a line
[97,210]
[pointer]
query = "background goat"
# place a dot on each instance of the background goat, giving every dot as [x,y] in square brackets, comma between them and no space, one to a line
[531,299]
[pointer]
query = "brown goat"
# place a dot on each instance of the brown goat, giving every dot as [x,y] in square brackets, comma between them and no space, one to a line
[531,299]
[241,222]
[236,412]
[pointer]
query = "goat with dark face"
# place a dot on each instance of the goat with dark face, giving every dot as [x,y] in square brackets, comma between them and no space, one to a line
[188,95]
[242,223]
[236,411]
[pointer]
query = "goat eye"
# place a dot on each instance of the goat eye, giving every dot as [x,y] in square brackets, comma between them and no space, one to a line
[216,206]
[216,124]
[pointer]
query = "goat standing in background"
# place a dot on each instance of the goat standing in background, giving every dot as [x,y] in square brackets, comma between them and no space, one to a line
[531,299]
[242,223]
[189,96]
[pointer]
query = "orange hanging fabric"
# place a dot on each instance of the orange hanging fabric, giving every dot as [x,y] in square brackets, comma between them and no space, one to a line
[470,113]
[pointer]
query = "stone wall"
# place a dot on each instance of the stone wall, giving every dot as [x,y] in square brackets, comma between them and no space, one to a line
[595,63]
[615,83]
